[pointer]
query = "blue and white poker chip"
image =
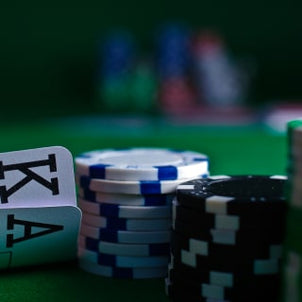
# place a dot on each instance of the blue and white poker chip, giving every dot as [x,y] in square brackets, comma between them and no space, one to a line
[136,164]
[123,273]
[122,261]
[131,187]
[124,249]
[125,224]
[120,211]
[125,236]
[126,199]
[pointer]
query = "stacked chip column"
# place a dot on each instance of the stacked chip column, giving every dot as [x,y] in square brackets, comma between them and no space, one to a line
[125,197]
[176,93]
[227,239]
[293,244]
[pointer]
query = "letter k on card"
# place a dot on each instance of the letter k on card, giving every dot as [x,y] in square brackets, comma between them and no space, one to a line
[37,177]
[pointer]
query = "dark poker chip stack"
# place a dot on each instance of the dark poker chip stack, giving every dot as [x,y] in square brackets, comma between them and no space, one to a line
[227,239]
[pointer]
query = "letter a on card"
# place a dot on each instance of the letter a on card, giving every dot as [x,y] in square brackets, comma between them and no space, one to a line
[31,236]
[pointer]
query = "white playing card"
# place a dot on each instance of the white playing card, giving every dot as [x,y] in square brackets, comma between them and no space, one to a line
[37,177]
[30,236]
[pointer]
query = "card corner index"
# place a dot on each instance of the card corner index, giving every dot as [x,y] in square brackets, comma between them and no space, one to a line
[40,235]
[49,167]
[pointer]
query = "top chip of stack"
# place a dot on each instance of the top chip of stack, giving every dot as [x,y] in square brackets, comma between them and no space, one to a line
[227,194]
[142,164]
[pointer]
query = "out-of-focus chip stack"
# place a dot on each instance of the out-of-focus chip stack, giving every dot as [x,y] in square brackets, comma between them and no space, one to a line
[116,58]
[174,63]
[292,287]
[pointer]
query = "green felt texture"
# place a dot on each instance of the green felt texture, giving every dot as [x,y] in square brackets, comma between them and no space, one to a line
[231,151]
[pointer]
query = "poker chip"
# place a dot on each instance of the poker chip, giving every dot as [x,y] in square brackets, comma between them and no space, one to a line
[217,262]
[294,131]
[141,164]
[292,269]
[209,251]
[292,276]
[126,200]
[208,292]
[114,223]
[222,247]
[101,258]
[141,250]
[125,236]
[227,278]
[231,195]
[114,210]
[123,273]
[131,187]
[224,221]
[218,285]
[231,237]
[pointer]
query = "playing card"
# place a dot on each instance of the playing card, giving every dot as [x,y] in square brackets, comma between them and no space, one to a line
[30,236]
[37,177]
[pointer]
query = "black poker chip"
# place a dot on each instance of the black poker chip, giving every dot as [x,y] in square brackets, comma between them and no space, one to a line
[252,291]
[254,250]
[240,281]
[271,219]
[233,194]
[235,279]
[186,292]
[253,266]
[244,237]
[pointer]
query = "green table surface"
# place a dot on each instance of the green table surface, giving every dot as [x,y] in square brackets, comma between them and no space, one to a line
[232,150]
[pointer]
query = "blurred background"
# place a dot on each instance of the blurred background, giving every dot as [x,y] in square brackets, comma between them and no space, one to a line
[170,58]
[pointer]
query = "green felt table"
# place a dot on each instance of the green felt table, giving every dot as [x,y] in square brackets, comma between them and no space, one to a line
[232,150]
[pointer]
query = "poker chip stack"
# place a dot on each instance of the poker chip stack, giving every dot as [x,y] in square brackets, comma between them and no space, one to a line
[227,239]
[173,50]
[125,197]
[143,90]
[292,272]
[219,80]
[117,53]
